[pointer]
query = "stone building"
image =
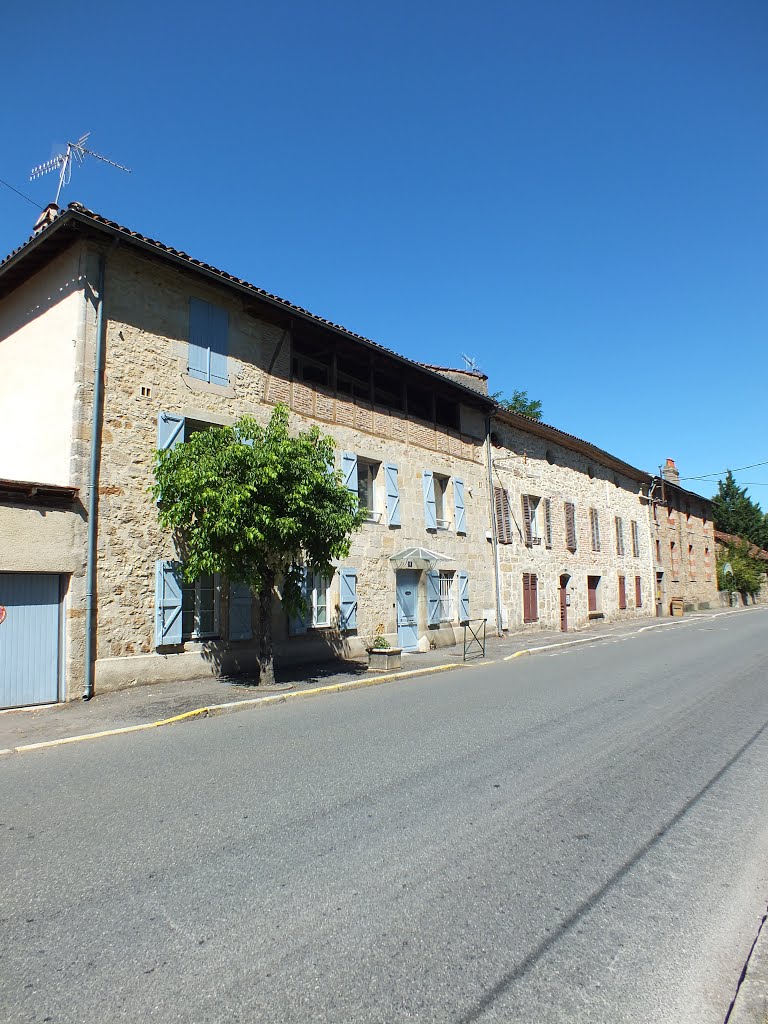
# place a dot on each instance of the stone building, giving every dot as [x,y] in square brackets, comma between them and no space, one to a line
[571,527]
[683,540]
[113,345]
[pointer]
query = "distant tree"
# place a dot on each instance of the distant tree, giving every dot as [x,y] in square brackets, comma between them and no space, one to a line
[734,512]
[519,402]
[260,506]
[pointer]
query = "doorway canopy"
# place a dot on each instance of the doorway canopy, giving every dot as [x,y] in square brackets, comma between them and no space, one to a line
[418,558]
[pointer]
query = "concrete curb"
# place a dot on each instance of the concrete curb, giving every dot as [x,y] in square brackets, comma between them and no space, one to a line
[231,707]
[750,1004]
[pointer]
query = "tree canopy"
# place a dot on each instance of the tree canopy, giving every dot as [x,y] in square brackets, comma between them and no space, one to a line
[258,505]
[734,512]
[746,574]
[519,402]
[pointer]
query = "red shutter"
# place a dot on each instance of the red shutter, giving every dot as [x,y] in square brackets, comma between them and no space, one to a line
[638,592]
[527,521]
[592,592]
[530,597]
[622,593]
[570,526]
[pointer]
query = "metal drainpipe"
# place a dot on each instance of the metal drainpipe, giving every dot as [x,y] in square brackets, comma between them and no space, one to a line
[495,539]
[98,402]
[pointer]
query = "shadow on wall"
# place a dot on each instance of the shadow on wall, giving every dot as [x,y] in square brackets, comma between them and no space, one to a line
[309,658]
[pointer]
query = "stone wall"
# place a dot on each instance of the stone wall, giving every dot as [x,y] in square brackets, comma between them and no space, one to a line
[526,464]
[146,373]
[685,520]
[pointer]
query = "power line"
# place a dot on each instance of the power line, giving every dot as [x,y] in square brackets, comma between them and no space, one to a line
[20,194]
[722,472]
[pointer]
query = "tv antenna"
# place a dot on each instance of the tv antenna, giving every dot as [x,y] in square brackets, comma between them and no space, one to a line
[77,151]
[470,363]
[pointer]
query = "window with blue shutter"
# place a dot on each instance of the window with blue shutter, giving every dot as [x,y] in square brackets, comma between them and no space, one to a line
[170,430]
[459,508]
[393,494]
[430,506]
[349,471]
[347,599]
[433,597]
[463,579]
[168,596]
[240,604]
[299,623]
[208,342]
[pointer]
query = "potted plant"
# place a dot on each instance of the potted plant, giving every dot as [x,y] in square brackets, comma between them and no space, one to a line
[382,656]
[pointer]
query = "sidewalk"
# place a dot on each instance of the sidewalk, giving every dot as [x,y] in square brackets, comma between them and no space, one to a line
[146,705]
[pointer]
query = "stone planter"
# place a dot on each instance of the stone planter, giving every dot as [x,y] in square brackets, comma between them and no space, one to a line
[384,659]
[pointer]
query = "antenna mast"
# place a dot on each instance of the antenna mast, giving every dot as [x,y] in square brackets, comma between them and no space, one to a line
[75,150]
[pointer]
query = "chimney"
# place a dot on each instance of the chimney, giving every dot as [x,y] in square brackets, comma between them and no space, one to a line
[48,216]
[670,472]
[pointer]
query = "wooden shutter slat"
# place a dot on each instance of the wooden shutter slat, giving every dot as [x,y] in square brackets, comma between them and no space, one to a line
[527,520]
[548,522]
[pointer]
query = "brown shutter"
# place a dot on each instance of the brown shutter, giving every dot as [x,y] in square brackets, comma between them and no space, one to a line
[527,521]
[619,536]
[622,593]
[526,596]
[570,526]
[534,601]
[635,539]
[530,597]
[638,592]
[594,523]
[548,522]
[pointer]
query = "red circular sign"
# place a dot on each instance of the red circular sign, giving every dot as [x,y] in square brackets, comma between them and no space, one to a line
[2,614]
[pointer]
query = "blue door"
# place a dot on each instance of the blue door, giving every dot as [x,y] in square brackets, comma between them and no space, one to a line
[29,639]
[407,609]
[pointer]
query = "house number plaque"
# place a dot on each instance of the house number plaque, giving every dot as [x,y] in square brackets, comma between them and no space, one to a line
[2,615]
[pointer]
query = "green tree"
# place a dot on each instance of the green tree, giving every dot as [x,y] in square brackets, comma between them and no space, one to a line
[747,574]
[734,512]
[260,506]
[519,402]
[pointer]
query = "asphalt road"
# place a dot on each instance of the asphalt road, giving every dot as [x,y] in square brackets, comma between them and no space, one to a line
[578,837]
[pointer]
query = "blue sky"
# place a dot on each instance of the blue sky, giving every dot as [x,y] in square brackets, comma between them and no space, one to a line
[572,193]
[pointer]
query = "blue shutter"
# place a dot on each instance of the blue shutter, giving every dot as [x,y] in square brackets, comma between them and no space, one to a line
[347,599]
[167,604]
[349,471]
[240,604]
[430,507]
[298,624]
[458,501]
[463,579]
[170,430]
[433,598]
[199,353]
[393,494]
[218,326]
[208,342]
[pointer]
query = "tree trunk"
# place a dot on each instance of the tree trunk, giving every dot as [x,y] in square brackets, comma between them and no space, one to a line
[266,654]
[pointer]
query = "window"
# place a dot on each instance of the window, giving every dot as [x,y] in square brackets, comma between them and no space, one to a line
[446,413]
[622,593]
[441,505]
[367,476]
[638,592]
[446,605]
[635,539]
[208,342]
[318,601]
[419,402]
[594,525]
[548,522]
[353,377]
[570,525]
[658,551]
[707,565]
[387,389]
[530,597]
[619,535]
[531,519]
[502,515]
[200,608]
[673,559]
[691,563]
